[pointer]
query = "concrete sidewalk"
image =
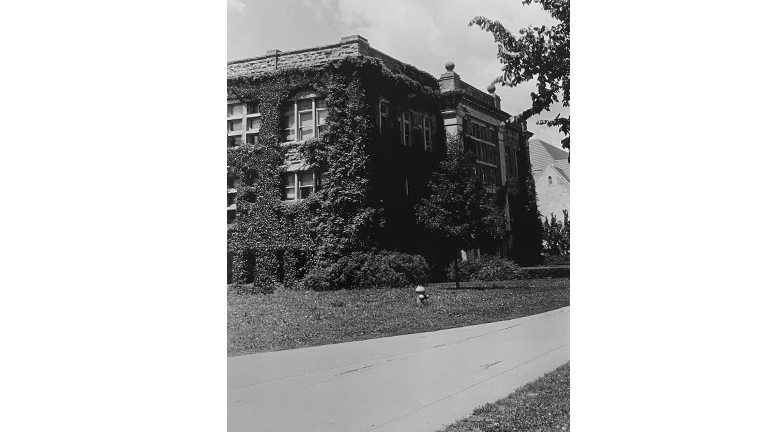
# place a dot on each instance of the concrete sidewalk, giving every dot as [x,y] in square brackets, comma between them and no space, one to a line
[418,382]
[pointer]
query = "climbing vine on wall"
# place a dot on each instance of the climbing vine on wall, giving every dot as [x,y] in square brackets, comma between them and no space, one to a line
[273,240]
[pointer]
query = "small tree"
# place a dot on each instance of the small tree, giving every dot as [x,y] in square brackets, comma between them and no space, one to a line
[557,234]
[459,208]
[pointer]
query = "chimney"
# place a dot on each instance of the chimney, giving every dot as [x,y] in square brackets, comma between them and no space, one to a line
[275,53]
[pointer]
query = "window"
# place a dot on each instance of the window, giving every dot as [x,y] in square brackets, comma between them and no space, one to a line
[243,123]
[549,180]
[322,113]
[234,125]
[304,119]
[407,128]
[232,184]
[289,122]
[407,187]
[383,115]
[298,185]
[428,134]
[234,110]
[511,159]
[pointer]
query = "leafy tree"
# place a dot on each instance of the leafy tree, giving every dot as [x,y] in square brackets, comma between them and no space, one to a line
[542,53]
[459,208]
[557,234]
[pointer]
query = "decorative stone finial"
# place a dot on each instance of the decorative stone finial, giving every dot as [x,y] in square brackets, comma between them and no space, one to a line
[449,66]
[491,88]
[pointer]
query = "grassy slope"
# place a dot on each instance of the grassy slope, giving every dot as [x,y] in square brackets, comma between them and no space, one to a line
[542,406]
[296,319]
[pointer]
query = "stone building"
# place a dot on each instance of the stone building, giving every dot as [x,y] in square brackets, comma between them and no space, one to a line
[552,175]
[353,136]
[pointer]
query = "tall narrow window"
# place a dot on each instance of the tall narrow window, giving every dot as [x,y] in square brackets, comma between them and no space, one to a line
[511,161]
[306,120]
[306,184]
[289,186]
[289,122]
[383,115]
[427,134]
[322,113]
[407,128]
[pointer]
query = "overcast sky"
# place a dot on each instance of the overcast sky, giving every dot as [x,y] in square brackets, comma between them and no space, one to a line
[423,33]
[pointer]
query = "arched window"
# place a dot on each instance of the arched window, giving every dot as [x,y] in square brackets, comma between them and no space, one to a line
[549,179]
[303,117]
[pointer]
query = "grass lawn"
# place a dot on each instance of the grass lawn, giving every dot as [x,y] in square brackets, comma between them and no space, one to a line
[296,319]
[543,405]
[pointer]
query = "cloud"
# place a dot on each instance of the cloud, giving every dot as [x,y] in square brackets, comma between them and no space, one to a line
[322,10]
[236,6]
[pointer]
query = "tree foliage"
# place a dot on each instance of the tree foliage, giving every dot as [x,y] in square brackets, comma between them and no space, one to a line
[557,234]
[541,53]
[526,229]
[459,208]
[273,240]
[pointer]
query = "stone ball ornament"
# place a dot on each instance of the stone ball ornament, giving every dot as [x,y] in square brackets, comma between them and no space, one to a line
[491,88]
[449,65]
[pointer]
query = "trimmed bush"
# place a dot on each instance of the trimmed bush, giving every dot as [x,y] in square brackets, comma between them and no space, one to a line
[545,272]
[554,260]
[368,270]
[485,268]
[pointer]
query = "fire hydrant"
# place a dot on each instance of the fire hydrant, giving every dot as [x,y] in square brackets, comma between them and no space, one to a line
[421,296]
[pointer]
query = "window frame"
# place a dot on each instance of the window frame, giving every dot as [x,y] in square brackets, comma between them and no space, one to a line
[406,127]
[246,117]
[383,115]
[428,133]
[297,186]
[296,130]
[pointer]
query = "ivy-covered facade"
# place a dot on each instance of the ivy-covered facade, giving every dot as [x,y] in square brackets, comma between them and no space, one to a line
[328,150]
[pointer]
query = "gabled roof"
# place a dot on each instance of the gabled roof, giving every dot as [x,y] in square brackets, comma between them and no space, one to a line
[543,154]
[559,171]
[555,152]
[562,173]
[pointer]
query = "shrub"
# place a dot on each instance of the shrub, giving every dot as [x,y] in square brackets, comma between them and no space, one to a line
[485,268]
[551,260]
[557,235]
[545,272]
[368,270]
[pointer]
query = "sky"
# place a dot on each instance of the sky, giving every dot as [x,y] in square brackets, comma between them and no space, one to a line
[424,33]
